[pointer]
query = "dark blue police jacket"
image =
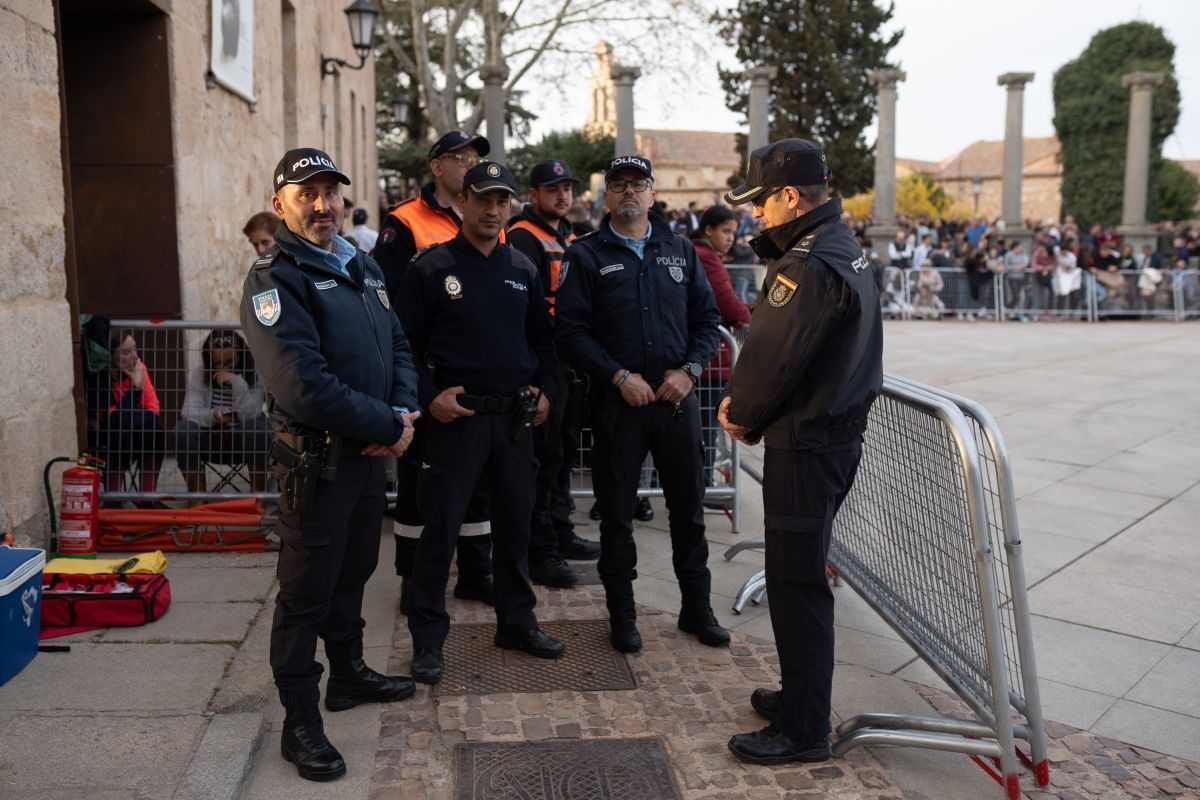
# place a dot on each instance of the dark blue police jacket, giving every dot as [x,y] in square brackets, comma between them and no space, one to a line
[330,349]
[616,311]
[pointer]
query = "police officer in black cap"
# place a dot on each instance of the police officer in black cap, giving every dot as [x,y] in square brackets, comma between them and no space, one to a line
[476,315]
[635,312]
[541,231]
[803,384]
[340,376]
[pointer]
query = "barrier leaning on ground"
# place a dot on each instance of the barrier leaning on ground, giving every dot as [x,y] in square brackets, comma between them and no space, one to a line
[929,538]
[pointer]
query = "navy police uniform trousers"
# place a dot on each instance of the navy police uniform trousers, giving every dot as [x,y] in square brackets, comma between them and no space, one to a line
[802,492]
[325,559]
[623,435]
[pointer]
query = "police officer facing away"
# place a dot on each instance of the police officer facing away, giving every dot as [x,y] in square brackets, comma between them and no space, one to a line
[635,312]
[340,375]
[804,384]
[542,233]
[477,318]
[434,216]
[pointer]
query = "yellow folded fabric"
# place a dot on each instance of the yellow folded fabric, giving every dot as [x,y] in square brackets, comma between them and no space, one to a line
[141,564]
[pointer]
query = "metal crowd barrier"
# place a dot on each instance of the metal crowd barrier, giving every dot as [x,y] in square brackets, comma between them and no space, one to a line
[183,451]
[929,538]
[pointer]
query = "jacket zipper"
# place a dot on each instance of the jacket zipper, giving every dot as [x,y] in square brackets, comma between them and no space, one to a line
[374,331]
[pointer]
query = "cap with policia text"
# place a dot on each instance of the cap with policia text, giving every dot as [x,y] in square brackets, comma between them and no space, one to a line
[635,163]
[788,162]
[488,175]
[457,140]
[550,171]
[300,164]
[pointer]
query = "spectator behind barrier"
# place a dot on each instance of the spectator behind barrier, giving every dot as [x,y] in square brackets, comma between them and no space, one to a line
[260,230]
[123,418]
[222,418]
[928,303]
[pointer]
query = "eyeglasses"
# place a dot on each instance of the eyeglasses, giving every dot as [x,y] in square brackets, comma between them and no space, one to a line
[637,184]
[464,159]
[222,343]
[760,202]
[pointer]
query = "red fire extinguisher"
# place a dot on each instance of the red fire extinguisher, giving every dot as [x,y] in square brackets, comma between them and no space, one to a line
[79,509]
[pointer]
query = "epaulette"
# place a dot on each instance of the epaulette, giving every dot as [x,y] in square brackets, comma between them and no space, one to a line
[805,245]
[265,260]
[423,251]
[587,235]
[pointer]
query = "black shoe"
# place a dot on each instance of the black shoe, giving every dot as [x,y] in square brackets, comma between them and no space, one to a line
[482,590]
[767,702]
[571,503]
[304,744]
[770,746]
[623,634]
[354,683]
[579,549]
[427,664]
[535,642]
[594,513]
[643,511]
[405,595]
[553,571]
[703,623]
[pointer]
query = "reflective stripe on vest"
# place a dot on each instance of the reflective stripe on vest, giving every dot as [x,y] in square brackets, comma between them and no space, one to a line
[553,250]
[427,225]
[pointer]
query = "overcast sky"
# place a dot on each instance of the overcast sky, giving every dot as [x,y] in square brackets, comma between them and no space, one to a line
[952,52]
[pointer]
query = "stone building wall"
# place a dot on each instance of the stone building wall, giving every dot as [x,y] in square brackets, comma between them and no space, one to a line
[37,413]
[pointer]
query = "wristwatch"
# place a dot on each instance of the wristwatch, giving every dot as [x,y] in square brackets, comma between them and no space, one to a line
[693,370]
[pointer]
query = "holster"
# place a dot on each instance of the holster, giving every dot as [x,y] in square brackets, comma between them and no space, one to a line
[523,414]
[305,459]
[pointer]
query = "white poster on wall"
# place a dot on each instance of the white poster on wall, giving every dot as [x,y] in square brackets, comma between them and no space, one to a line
[233,46]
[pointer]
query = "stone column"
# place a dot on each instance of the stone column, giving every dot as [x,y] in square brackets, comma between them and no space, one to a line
[759,112]
[1133,227]
[623,78]
[884,228]
[1014,157]
[494,76]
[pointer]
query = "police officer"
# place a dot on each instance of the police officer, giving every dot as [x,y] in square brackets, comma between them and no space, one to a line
[481,334]
[434,216]
[636,313]
[804,384]
[542,233]
[340,376]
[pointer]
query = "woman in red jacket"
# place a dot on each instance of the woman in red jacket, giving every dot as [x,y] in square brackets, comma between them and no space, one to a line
[124,418]
[712,238]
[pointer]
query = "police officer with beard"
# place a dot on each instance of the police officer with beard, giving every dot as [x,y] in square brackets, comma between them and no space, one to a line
[635,312]
[484,347]
[340,376]
[804,383]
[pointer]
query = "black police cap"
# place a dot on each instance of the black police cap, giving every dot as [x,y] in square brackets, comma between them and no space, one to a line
[550,171]
[635,163]
[788,162]
[300,164]
[488,175]
[457,140]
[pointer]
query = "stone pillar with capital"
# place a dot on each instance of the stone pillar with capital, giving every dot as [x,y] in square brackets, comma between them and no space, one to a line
[494,76]
[883,228]
[1014,157]
[759,111]
[1134,228]
[623,77]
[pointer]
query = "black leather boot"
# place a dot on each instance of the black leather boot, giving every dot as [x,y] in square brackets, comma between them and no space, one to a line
[623,633]
[352,683]
[304,744]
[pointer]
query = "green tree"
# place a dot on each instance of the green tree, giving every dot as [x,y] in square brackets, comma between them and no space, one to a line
[823,51]
[584,153]
[1091,118]
[1178,192]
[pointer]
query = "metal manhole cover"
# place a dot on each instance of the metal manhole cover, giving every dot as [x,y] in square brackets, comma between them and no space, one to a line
[474,664]
[588,572]
[606,769]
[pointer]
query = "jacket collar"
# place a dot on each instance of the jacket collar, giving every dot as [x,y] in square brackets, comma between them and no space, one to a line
[291,246]
[659,230]
[774,242]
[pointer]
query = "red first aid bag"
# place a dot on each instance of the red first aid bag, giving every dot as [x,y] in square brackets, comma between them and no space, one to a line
[103,601]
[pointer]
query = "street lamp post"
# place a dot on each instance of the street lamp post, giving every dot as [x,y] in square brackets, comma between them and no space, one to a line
[362,16]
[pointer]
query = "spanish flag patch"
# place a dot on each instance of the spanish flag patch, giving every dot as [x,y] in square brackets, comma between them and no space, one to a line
[781,291]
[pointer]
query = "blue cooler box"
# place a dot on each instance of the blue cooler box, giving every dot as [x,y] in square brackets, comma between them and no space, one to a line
[20,607]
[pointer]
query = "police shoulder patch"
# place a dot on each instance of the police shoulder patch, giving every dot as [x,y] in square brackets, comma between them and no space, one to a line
[781,292]
[267,307]
[563,269]
[387,235]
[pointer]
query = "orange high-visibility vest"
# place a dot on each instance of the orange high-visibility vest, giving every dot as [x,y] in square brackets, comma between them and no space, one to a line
[427,224]
[554,251]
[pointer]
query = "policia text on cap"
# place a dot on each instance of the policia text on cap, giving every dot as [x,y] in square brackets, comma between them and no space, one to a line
[340,376]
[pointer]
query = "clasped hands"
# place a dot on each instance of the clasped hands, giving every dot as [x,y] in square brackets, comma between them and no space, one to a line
[401,444]
[636,392]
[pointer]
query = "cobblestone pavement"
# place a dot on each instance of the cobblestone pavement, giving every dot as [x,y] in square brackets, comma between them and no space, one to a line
[692,698]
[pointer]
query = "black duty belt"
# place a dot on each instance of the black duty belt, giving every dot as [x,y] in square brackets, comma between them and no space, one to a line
[485,404]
